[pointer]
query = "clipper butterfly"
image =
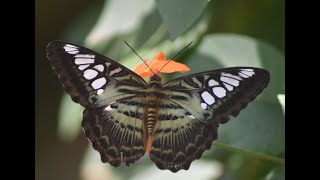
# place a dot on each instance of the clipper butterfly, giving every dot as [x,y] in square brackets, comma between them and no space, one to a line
[174,122]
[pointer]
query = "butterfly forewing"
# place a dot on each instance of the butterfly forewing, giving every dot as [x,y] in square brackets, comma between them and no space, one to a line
[215,95]
[193,108]
[90,78]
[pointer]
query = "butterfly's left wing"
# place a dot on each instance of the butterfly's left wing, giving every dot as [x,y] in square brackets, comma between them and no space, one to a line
[194,106]
[116,131]
[112,96]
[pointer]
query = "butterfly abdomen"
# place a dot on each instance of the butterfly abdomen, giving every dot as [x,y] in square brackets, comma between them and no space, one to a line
[151,119]
[153,96]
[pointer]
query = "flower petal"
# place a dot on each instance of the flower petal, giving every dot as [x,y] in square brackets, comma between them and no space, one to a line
[160,62]
[173,66]
[160,56]
[141,68]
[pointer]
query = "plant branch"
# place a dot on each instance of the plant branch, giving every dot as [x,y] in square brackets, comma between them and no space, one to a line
[250,153]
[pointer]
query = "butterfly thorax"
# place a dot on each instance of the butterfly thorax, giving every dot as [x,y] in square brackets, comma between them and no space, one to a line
[153,96]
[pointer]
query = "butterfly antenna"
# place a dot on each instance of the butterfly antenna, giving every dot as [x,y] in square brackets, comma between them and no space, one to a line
[139,56]
[175,56]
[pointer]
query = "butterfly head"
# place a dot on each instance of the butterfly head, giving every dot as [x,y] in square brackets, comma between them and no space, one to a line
[155,77]
[155,81]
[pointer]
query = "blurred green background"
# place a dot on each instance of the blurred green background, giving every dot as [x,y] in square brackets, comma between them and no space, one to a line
[225,33]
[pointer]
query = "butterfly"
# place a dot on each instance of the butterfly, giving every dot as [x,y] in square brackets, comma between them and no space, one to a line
[174,122]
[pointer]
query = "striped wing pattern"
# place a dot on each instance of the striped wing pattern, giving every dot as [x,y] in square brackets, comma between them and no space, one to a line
[179,138]
[189,108]
[116,131]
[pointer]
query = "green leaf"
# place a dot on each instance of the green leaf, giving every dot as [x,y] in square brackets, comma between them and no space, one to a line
[259,127]
[119,17]
[179,15]
[241,166]
[137,28]
[149,27]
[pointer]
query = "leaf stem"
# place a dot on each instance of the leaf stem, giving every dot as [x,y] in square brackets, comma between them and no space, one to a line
[250,153]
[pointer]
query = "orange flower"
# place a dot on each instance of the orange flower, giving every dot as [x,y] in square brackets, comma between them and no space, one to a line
[157,63]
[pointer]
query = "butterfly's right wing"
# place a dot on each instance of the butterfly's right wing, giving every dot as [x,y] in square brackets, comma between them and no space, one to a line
[193,107]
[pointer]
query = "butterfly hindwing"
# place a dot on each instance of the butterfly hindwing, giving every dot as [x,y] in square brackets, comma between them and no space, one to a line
[90,78]
[179,138]
[116,131]
[193,108]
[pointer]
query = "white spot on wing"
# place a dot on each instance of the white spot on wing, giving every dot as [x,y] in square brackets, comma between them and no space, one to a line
[90,74]
[98,83]
[207,97]
[192,117]
[69,45]
[231,75]
[100,91]
[230,88]
[251,70]
[213,83]
[82,67]
[231,81]
[108,64]
[71,49]
[84,56]
[204,105]
[83,61]
[99,67]
[248,73]
[108,108]
[219,92]
[115,71]
[243,75]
